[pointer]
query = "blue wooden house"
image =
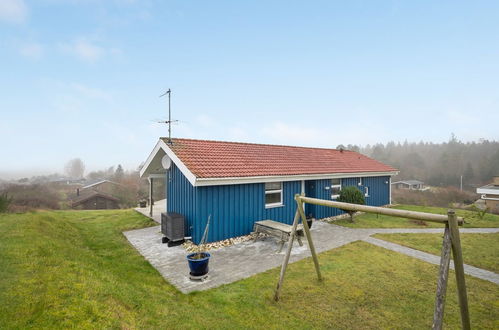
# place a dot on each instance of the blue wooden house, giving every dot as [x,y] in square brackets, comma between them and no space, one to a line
[240,183]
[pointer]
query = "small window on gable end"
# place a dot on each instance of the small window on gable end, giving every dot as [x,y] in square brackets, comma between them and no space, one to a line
[273,194]
[335,188]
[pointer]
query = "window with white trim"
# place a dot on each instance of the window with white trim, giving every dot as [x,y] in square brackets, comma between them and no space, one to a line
[273,194]
[335,188]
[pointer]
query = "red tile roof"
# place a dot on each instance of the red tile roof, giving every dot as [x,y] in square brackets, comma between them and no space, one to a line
[217,159]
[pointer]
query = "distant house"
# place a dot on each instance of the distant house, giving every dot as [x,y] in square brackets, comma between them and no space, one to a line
[95,201]
[490,194]
[98,195]
[410,184]
[103,186]
[237,184]
[67,181]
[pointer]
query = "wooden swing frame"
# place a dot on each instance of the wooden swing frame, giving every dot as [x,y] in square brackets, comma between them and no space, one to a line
[451,240]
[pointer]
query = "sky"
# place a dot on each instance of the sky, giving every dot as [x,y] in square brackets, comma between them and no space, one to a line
[82,78]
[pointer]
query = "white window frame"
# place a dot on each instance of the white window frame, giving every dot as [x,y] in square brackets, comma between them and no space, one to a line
[278,204]
[333,186]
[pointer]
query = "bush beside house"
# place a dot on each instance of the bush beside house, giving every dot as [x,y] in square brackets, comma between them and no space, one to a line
[351,195]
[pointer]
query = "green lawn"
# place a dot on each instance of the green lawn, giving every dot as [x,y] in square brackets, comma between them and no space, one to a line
[369,220]
[75,269]
[479,250]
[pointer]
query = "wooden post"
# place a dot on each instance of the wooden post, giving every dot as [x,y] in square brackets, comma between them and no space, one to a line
[309,236]
[286,258]
[150,195]
[459,270]
[443,275]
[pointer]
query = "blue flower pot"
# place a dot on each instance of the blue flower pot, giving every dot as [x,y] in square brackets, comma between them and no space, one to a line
[198,266]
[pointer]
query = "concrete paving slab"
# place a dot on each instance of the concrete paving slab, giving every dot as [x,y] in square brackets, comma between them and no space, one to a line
[232,263]
[242,260]
[158,208]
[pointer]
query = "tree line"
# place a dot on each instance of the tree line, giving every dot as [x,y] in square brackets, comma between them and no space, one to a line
[439,164]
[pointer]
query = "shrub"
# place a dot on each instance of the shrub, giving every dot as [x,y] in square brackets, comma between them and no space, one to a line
[5,201]
[31,197]
[441,197]
[351,195]
[479,212]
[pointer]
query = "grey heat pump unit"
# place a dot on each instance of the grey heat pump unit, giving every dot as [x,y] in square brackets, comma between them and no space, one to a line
[172,227]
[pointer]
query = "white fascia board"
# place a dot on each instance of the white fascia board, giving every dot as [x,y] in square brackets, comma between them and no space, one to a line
[156,176]
[282,178]
[181,166]
[161,145]
[97,183]
[150,158]
[402,182]
[490,198]
[487,191]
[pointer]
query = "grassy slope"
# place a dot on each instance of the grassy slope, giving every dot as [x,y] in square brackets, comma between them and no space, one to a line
[76,269]
[479,250]
[382,221]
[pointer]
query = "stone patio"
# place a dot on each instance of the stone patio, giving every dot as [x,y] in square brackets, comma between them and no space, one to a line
[239,261]
[158,208]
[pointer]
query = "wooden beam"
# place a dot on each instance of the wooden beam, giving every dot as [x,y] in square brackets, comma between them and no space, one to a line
[285,262]
[381,210]
[309,236]
[151,203]
[459,270]
[443,276]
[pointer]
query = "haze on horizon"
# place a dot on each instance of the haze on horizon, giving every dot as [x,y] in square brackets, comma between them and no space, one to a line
[82,78]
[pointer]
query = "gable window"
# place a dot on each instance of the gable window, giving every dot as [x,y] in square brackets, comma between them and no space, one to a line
[273,194]
[335,188]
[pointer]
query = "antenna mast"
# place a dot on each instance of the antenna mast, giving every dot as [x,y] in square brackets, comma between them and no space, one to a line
[169,121]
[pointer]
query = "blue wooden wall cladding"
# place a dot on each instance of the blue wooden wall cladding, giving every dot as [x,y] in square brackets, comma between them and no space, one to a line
[181,197]
[235,208]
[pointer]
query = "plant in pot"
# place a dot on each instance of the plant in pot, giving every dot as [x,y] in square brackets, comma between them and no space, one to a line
[351,195]
[198,261]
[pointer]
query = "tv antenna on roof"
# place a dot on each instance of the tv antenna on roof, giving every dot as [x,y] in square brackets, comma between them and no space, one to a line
[169,121]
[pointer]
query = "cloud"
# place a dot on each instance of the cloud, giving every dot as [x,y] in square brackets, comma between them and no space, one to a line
[84,50]
[284,133]
[32,50]
[13,11]
[87,50]
[74,99]
[238,133]
[91,92]
[205,121]
[358,132]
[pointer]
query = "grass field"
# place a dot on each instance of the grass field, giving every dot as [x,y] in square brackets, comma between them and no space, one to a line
[369,220]
[75,269]
[479,250]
